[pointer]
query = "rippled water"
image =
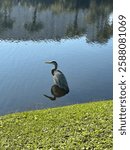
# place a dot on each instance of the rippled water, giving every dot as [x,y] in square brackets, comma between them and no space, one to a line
[77,34]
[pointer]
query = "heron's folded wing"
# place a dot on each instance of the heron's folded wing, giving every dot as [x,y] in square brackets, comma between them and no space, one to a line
[60,80]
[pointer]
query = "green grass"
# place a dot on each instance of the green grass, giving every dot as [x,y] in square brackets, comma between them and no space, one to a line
[77,127]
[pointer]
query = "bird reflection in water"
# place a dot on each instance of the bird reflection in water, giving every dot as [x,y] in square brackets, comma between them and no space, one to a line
[60,87]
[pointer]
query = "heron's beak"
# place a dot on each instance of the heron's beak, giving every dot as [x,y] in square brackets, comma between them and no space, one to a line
[48,62]
[51,98]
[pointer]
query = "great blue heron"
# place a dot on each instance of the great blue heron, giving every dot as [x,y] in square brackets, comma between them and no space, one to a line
[60,87]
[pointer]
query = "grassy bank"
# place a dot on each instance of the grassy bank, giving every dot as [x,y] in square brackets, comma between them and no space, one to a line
[77,127]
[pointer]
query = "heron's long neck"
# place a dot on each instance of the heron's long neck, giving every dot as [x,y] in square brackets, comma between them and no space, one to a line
[54,69]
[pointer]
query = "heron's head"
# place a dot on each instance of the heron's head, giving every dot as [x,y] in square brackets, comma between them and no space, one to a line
[51,62]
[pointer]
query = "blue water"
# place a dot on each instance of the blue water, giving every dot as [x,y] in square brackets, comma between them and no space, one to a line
[25,78]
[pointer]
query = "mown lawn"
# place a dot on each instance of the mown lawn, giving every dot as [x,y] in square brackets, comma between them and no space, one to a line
[77,127]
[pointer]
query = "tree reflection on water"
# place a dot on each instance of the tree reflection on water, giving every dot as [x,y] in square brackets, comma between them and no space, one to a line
[56,20]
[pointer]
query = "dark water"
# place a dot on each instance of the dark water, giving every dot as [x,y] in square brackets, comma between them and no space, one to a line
[75,33]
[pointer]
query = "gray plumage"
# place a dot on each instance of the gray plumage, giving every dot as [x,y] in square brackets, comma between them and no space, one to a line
[60,80]
[58,77]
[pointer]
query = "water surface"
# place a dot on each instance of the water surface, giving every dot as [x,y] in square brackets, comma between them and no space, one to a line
[77,34]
